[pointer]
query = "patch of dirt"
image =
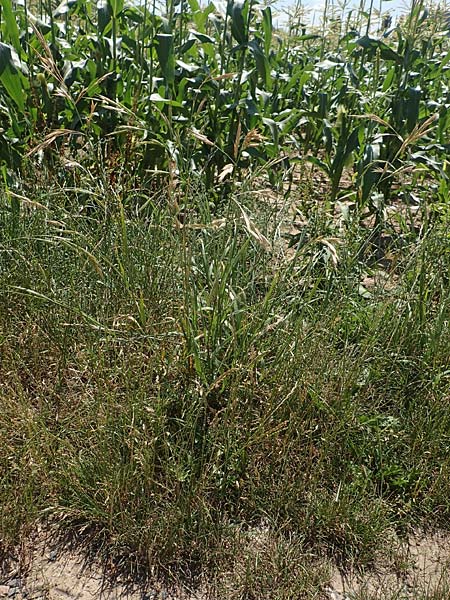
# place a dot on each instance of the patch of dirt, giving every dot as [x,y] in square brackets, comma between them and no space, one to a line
[47,570]
[420,566]
[51,572]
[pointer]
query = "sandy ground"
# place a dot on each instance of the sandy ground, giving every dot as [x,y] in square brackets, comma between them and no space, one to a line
[47,570]
[422,565]
[419,567]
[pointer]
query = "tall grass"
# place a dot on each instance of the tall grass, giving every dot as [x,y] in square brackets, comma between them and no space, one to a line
[168,385]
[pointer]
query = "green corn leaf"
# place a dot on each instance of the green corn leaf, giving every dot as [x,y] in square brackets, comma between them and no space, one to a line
[323,104]
[199,15]
[41,25]
[298,80]
[10,29]
[10,75]
[273,128]
[318,163]
[189,67]
[202,37]
[238,27]
[389,78]
[412,107]
[164,50]
[262,64]
[425,158]
[156,97]
[444,61]
[386,53]
[267,29]
[424,16]
[326,64]
[368,165]
[351,145]
[327,136]
[9,57]
[116,7]
[13,86]
[351,73]
[290,123]
[186,46]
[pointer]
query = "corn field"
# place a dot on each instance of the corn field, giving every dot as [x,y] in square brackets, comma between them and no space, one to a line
[190,91]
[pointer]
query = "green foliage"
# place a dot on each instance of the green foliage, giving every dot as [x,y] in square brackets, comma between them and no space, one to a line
[224,258]
[225,76]
[165,386]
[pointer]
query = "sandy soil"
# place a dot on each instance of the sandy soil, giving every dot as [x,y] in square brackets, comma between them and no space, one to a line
[47,572]
[421,566]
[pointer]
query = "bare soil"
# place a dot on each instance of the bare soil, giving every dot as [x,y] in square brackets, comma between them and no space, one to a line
[48,571]
[420,567]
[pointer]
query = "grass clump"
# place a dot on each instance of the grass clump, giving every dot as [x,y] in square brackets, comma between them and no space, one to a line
[176,386]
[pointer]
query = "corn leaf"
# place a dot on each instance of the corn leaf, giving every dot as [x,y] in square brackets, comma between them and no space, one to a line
[11,31]
[166,57]
[10,76]
[238,28]
[267,29]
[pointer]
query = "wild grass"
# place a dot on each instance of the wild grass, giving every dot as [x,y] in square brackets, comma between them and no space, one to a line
[224,296]
[176,388]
